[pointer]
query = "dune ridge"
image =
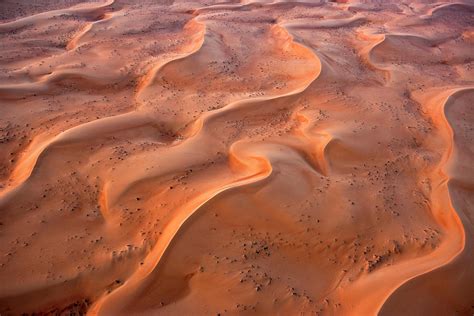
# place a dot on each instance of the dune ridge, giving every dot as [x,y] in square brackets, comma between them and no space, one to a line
[456,244]
[173,228]
[445,98]
[21,22]
[237,158]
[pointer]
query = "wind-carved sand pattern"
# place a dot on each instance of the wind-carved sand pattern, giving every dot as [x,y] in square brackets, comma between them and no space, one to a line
[236,158]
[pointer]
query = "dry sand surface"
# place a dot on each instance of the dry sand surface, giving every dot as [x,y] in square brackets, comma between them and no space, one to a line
[236,158]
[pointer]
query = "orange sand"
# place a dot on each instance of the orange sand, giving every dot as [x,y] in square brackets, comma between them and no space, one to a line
[205,158]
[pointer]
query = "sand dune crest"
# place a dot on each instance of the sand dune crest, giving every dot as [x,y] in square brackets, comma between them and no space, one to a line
[255,157]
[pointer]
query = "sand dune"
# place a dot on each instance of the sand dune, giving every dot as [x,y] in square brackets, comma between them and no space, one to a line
[253,157]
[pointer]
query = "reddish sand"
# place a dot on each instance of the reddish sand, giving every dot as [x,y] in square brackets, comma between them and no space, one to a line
[206,158]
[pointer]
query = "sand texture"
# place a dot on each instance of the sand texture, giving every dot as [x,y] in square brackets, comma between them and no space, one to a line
[171,157]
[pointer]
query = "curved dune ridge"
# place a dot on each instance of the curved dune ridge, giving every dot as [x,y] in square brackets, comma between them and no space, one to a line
[259,157]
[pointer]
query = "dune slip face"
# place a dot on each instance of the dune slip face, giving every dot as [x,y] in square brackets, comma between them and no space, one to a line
[236,157]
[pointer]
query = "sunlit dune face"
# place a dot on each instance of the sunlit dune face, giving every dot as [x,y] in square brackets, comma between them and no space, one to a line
[240,158]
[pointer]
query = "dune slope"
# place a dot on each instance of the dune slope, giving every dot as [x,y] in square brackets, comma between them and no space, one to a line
[252,157]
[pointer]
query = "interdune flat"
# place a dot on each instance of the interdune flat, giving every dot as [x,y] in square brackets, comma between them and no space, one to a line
[236,158]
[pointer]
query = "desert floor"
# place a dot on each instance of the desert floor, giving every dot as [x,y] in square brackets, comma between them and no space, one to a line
[220,158]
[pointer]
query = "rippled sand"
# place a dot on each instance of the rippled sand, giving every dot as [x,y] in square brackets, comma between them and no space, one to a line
[206,158]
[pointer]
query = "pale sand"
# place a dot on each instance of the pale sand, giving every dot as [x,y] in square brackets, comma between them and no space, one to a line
[204,158]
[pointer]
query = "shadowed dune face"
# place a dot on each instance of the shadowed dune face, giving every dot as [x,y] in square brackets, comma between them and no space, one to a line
[173,157]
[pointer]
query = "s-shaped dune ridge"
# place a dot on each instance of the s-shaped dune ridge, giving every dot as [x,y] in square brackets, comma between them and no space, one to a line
[236,158]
